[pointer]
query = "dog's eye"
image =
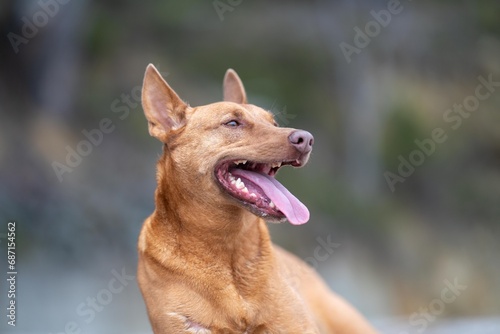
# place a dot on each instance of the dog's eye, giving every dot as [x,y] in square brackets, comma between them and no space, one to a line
[233,123]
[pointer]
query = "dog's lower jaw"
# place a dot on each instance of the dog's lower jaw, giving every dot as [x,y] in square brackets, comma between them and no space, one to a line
[258,213]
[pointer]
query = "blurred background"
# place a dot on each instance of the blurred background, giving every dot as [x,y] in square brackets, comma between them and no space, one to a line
[403,100]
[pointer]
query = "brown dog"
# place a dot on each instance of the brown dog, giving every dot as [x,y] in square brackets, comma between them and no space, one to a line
[206,261]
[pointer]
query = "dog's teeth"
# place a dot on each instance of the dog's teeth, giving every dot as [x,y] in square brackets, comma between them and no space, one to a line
[272,205]
[238,162]
[245,190]
[297,161]
[239,184]
[253,195]
[276,164]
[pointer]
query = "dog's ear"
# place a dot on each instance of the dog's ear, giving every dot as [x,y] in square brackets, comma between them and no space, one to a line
[164,109]
[233,88]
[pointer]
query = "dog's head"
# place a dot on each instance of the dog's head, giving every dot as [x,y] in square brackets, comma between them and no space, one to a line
[226,153]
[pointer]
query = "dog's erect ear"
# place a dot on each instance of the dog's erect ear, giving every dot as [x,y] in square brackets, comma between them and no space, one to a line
[233,88]
[163,108]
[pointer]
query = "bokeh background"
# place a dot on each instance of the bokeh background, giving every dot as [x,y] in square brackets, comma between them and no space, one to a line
[63,72]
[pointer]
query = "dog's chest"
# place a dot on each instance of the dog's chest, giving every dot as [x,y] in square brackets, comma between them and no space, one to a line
[248,316]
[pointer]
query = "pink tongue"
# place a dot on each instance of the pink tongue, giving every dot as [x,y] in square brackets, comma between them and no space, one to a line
[294,210]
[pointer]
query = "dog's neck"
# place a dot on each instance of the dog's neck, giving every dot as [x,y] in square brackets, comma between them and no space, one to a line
[227,235]
[180,201]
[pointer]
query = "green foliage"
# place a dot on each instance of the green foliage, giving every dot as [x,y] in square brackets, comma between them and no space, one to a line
[403,126]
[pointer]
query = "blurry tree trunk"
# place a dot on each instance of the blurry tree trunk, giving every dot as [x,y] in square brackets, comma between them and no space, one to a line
[356,96]
[362,120]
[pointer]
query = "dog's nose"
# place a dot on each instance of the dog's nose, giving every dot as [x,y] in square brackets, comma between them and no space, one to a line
[302,140]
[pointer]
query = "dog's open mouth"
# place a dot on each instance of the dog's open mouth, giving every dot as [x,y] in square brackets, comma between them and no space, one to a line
[254,185]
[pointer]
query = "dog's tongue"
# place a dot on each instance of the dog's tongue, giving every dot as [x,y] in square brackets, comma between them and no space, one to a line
[296,212]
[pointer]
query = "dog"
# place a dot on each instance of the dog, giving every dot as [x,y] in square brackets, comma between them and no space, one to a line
[206,261]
